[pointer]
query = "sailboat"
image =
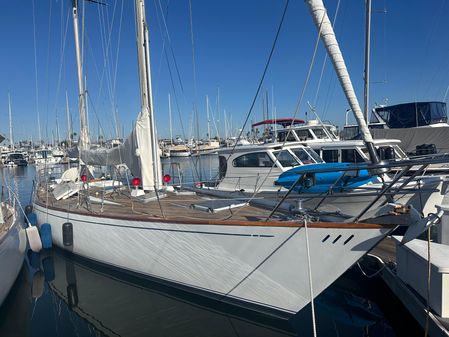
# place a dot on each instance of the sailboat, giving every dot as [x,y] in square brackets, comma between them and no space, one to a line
[14,158]
[12,247]
[230,250]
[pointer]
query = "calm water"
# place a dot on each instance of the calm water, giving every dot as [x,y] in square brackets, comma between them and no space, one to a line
[58,294]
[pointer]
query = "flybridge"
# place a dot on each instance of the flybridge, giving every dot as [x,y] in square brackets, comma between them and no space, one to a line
[409,115]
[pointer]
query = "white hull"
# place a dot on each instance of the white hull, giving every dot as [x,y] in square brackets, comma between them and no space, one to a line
[47,161]
[12,252]
[256,266]
[179,154]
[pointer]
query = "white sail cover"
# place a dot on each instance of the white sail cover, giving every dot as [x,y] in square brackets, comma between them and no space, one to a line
[135,152]
[321,19]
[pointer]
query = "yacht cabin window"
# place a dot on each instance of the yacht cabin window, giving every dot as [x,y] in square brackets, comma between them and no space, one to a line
[308,156]
[330,156]
[256,159]
[385,152]
[303,134]
[351,156]
[320,134]
[283,134]
[285,158]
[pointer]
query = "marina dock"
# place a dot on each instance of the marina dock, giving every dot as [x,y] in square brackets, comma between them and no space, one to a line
[384,256]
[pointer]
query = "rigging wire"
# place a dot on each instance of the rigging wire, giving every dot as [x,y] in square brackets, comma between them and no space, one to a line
[257,189]
[430,35]
[298,104]
[248,115]
[192,41]
[62,52]
[166,36]
[164,21]
[36,73]
[114,88]
[48,56]
[325,59]
[197,163]
[107,77]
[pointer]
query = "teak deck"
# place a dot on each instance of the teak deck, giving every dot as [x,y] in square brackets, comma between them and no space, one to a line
[174,208]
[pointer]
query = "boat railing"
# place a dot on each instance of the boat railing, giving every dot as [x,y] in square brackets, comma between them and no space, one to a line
[390,187]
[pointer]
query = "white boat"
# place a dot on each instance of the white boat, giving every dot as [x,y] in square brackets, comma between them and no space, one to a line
[180,150]
[243,262]
[15,159]
[45,157]
[12,248]
[422,127]
[253,171]
[254,168]
[297,130]
[225,249]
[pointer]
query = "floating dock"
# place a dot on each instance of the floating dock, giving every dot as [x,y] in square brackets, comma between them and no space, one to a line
[386,257]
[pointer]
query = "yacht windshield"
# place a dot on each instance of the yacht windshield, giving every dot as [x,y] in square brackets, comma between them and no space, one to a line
[308,156]
[285,158]
[15,156]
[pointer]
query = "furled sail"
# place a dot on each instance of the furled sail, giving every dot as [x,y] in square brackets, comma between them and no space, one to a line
[321,20]
[140,150]
[134,152]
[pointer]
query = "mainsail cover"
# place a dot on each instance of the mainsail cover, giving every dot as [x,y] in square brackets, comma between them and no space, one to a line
[135,152]
[324,26]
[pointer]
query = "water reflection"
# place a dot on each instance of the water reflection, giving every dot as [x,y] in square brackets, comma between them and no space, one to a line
[185,170]
[20,178]
[61,294]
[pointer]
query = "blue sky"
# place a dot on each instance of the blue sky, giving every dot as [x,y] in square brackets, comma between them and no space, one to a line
[232,39]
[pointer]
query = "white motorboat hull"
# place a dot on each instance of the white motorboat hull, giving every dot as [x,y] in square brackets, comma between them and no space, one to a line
[259,266]
[179,154]
[422,195]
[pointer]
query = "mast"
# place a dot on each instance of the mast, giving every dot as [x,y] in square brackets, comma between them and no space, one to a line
[146,99]
[69,127]
[169,115]
[84,137]
[11,140]
[86,102]
[324,25]
[367,57]
[225,125]
[57,130]
[208,118]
